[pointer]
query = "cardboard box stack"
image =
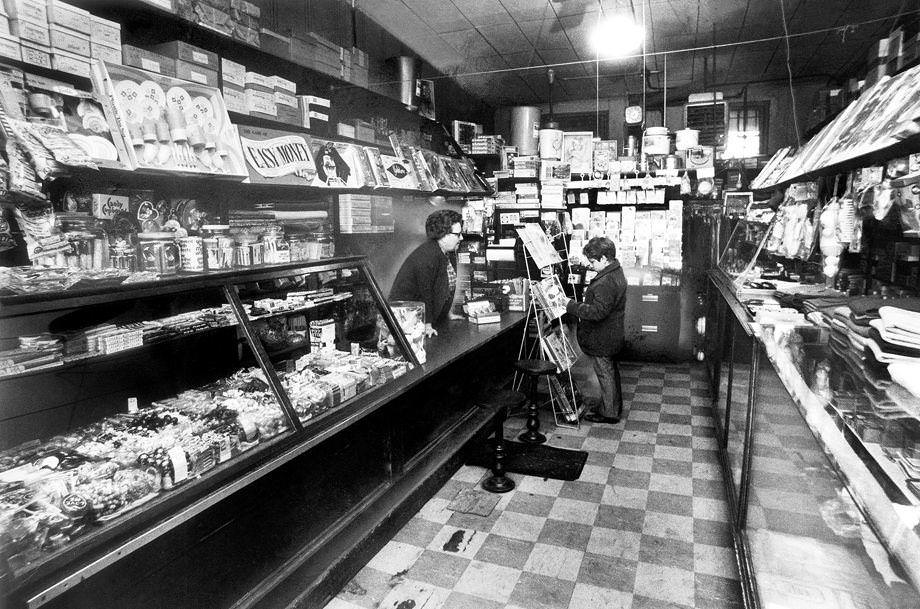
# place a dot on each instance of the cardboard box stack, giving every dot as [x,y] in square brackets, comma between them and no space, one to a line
[191,62]
[57,35]
[233,85]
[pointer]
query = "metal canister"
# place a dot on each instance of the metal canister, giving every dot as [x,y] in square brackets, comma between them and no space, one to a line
[159,253]
[191,250]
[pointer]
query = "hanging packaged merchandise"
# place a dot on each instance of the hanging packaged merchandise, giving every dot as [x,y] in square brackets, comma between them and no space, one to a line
[64,150]
[807,244]
[43,239]
[23,180]
[685,186]
[908,199]
[882,200]
[846,216]
[6,235]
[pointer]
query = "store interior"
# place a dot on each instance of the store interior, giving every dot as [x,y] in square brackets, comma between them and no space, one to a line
[214,391]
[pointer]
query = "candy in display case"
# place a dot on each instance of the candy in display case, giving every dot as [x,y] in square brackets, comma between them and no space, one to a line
[168,124]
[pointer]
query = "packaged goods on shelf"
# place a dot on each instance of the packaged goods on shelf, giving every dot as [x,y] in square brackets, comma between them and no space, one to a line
[168,124]
[486,144]
[147,60]
[105,32]
[10,47]
[275,43]
[400,172]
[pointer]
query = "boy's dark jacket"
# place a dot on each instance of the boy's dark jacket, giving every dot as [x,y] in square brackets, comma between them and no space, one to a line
[423,277]
[600,316]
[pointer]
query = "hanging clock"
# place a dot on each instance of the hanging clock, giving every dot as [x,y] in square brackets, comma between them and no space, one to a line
[633,115]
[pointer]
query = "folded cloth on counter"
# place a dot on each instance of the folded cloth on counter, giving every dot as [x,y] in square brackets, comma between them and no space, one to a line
[895,336]
[865,308]
[907,375]
[855,328]
[896,317]
[889,348]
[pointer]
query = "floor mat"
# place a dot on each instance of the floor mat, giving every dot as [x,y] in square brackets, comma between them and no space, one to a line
[534,460]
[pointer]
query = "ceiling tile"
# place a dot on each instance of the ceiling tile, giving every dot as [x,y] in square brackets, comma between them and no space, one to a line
[542,35]
[484,12]
[527,10]
[440,15]
[506,38]
[468,43]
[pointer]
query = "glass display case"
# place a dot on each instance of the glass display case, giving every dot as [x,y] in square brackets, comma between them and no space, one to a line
[817,467]
[125,410]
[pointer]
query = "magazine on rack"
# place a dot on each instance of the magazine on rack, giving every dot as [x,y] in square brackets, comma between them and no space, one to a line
[538,245]
[558,349]
[550,296]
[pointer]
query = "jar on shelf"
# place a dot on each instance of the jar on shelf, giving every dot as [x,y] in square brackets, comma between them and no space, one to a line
[299,247]
[218,246]
[272,246]
[159,252]
[191,250]
[243,249]
[122,255]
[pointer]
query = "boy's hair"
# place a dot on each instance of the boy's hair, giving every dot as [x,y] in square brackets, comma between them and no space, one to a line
[598,247]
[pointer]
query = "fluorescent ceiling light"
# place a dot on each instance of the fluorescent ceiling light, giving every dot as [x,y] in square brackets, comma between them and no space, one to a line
[617,37]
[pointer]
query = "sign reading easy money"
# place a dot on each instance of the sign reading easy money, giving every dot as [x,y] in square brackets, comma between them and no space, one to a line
[275,157]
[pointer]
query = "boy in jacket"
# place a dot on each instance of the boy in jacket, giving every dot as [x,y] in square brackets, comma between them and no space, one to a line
[600,326]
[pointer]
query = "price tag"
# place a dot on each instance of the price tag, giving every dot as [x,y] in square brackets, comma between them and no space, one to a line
[132,404]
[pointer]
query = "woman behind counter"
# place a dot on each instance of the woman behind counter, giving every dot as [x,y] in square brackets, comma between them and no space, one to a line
[428,275]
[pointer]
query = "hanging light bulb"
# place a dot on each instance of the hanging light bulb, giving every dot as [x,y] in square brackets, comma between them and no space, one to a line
[617,37]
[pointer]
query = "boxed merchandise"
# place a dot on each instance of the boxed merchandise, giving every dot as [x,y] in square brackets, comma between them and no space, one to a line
[147,60]
[260,82]
[364,131]
[9,47]
[63,39]
[105,32]
[5,27]
[345,130]
[249,35]
[235,99]
[245,8]
[232,73]
[284,85]
[275,43]
[167,124]
[69,62]
[31,31]
[36,55]
[206,15]
[30,10]
[287,108]
[194,72]
[70,17]
[179,50]
[105,53]
[260,103]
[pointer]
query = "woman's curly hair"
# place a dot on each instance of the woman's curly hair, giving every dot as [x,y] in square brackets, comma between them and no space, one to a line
[440,222]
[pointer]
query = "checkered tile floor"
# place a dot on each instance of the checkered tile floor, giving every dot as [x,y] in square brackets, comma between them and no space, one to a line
[644,527]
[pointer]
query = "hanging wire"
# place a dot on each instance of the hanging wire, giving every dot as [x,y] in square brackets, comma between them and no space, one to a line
[644,68]
[795,114]
[708,47]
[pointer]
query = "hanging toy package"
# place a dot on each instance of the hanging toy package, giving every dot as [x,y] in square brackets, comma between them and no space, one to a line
[908,198]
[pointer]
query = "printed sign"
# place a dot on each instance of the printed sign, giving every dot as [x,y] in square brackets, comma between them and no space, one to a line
[282,159]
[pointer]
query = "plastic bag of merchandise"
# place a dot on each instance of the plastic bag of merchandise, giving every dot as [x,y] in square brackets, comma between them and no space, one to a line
[908,199]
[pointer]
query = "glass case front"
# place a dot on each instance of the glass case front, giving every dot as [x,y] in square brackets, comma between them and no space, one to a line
[120,407]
